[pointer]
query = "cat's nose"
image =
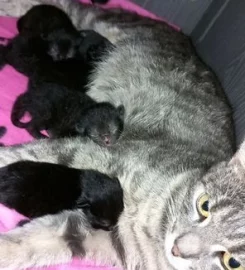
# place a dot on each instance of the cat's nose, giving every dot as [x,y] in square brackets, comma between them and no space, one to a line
[175,251]
[187,246]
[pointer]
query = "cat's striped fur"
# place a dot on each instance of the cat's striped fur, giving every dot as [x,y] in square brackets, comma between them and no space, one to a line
[177,126]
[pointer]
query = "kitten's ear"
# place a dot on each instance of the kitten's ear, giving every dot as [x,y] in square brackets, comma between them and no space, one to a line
[44,37]
[83,203]
[80,129]
[83,33]
[239,157]
[121,111]
[20,24]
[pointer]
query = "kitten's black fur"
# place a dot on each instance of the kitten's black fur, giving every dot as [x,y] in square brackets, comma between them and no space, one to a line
[36,27]
[52,25]
[100,1]
[35,189]
[61,40]
[39,53]
[102,123]
[42,20]
[36,57]
[64,114]
[50,99]
[3,131]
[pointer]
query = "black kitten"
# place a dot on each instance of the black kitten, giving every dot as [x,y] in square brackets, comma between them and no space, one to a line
[35,189]
[103,123]
[29,55]
[35,28]
[49,42]
[52,25]
[48,99]
[62,39]
[43,20]
[62,113]
[54,107]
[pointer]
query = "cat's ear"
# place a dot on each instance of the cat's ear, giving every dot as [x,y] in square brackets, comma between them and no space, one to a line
[239,157]
[121,111]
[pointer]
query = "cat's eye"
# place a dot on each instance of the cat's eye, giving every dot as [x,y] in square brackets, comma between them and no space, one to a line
[230,263]
[203,205]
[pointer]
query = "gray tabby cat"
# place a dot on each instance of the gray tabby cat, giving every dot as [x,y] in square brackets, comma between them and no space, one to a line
[184,200]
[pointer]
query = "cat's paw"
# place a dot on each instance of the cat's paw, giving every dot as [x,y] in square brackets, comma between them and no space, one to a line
[12,253]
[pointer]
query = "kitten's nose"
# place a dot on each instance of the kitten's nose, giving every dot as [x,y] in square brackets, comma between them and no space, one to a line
[107,140]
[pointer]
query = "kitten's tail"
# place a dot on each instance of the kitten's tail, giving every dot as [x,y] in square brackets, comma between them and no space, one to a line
[4,39]
[18,111]
[3,61]
[3,43]
[3,131]
[99,1]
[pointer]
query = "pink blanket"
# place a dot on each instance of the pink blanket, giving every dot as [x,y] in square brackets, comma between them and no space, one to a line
[12,84]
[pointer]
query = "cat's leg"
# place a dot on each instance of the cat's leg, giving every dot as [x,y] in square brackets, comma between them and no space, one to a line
[16,8]
[74,152]
[54,239]
[79,13]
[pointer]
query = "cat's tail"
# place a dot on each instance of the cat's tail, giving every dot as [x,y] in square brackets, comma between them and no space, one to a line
[15,8]
[19,110]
